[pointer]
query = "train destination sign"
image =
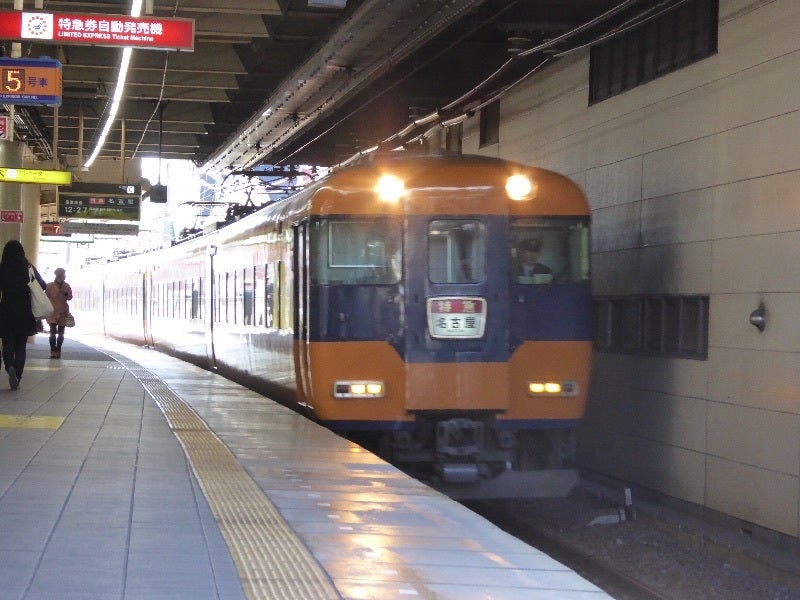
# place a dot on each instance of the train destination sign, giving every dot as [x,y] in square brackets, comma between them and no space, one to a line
[43,176]
[117,202]
[153,33]
[456,317]
[30,81]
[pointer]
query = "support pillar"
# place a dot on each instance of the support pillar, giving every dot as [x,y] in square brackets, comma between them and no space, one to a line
[10,193]
[31,225]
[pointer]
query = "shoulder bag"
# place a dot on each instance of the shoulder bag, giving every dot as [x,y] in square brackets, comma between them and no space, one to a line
[41,307]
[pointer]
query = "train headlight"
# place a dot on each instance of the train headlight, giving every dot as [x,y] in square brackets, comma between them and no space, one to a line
[553,388]
[519,187]
[358,389]
[390,188]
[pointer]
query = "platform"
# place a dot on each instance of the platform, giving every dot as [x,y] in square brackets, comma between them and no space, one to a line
[128,474]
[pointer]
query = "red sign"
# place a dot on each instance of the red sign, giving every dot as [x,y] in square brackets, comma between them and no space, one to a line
[152,33]
[52,228]
[10,216]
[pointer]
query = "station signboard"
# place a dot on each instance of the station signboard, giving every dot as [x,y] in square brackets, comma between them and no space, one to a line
[11,216]
[30,81]
[53,228]
[100,201]
[70,227]
[42,176]
[153,33]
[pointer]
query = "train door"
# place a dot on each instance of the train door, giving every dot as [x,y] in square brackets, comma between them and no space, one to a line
[457,315]
[300,266]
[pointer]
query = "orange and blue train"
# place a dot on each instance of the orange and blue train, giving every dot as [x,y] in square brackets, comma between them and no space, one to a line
[389,300]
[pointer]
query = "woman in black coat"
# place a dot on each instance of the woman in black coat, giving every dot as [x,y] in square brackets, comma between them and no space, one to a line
[16,318]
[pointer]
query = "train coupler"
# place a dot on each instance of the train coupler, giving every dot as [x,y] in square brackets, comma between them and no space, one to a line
[459,437]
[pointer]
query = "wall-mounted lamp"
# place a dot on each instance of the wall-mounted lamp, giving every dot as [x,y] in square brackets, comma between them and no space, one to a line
[759,317]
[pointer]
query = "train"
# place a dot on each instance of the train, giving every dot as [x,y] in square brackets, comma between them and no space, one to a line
[388,302]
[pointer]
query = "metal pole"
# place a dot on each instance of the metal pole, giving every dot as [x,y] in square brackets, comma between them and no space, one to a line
[122,151]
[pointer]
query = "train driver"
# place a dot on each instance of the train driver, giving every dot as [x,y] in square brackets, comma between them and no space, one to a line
[528,269]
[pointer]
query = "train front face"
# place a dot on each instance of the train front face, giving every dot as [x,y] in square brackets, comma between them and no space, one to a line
[449,308]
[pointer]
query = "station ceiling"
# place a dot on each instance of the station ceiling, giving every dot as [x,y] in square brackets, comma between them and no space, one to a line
[284,82]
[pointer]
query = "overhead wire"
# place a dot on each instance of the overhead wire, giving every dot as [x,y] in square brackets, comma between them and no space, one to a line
[160,93]
[440,115]
[423,64]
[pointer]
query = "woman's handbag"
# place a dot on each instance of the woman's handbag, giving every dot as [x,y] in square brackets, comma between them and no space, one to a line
[69,320]
[40,303]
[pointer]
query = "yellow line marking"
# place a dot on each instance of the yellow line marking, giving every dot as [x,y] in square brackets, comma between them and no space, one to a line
[28,422]
[32,368]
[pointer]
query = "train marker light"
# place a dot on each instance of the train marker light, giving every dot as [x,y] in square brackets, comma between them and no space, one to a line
[389,188]
[519,187]
[358,389]
[553,388]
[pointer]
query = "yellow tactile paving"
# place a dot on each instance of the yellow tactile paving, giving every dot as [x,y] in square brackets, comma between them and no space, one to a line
[271,561]
[30,422]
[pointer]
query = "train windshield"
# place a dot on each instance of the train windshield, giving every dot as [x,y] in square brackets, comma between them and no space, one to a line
[355,252]
[549,250]
[456,251]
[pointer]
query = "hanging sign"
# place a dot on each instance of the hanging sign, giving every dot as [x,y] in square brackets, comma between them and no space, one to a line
[106,201]
[70,227]
[42,176]
[30,81]
[153,33]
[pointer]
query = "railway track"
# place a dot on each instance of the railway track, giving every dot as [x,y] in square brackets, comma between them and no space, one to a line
[613,580]
[648,553]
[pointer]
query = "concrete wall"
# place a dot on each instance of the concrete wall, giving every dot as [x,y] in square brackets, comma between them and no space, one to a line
[694,182]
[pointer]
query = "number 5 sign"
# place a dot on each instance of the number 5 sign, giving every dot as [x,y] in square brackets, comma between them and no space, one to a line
[30,81]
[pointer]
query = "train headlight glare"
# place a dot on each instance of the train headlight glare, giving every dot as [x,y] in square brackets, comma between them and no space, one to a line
[519,187]
[389,188]
[358,389]
[553,388]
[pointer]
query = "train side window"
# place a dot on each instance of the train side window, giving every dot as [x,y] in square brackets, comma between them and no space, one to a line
[217,297]
[228,297]
[238,296]
[269,296]
[549,250]
[195,300]
[456,251]
[285,309]
[247,297]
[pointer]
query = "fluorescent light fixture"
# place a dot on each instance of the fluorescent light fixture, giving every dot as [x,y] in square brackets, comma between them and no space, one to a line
[136,10]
